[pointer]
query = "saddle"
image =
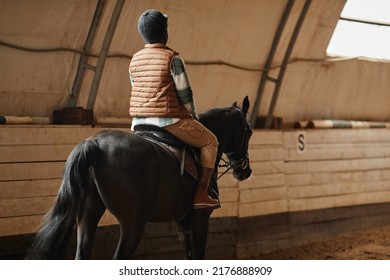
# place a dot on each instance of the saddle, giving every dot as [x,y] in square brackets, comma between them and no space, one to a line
[187,156]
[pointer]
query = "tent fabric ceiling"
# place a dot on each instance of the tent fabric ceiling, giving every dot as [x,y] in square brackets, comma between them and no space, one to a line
[236,32]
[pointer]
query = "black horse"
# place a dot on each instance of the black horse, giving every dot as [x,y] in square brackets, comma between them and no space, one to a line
[138,181]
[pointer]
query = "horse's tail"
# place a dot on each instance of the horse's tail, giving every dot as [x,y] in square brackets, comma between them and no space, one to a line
[52,239]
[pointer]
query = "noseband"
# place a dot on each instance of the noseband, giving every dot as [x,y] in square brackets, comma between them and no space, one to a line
[243,161]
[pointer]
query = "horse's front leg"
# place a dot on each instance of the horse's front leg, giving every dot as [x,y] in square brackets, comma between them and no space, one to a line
[199,232]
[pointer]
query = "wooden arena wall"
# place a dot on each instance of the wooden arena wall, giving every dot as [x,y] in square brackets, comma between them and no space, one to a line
[307,185]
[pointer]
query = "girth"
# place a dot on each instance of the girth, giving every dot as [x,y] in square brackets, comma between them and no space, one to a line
[185,154]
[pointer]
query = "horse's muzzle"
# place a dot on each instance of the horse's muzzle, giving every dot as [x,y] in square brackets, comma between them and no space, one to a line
[242,174]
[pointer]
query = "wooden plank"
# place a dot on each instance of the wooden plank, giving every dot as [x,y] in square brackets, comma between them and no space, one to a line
[221,239]
[345,145]
[162,244]
[34,153]
[337,152]
[337,189]
[263,208]
[220,252]
[267,167]
[19,225]
[25,206]
[337,165]
[266,153]
[159,230]
[228,209]
[227,180]
[24,135]
[328,136]
[108,219]
[313,232]
[14,247]
[228,194]
[263,194]
[340,213]
[264,137]
[304,179]
[253,249]
[31,171]
[29,188]
[265,180]
[264,233]
[223,224]
[304,204]
[30,224]
[263,221]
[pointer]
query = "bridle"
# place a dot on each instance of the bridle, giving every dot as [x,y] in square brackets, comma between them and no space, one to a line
[242,161]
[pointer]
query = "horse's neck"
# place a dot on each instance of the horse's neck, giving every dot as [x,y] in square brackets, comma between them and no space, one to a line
[214,120]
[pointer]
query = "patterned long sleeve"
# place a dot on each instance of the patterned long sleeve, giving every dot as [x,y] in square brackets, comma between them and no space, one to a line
[182,84]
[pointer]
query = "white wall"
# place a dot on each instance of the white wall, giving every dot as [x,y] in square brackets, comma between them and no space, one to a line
[236,32]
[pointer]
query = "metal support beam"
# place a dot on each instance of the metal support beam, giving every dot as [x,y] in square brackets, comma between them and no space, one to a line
[84,56]
[103,53]
[285,63]
[268,63]
[366,21]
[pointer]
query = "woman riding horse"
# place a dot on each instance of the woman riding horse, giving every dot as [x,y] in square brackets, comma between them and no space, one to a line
[161,95]
[138,180]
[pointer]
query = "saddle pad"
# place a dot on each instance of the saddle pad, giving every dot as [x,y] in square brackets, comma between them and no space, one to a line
[161,136]
[190,164]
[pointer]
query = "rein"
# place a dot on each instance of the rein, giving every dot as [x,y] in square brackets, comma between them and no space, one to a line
[227,165]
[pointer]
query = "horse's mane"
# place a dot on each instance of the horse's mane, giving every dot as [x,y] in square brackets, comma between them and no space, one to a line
[212,113]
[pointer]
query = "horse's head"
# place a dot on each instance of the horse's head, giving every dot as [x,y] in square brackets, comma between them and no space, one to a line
[233,133]
[238,144]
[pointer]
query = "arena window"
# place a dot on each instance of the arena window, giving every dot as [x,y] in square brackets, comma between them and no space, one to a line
[363,30]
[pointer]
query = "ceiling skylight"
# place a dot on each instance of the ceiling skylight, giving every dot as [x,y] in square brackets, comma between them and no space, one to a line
[363,30]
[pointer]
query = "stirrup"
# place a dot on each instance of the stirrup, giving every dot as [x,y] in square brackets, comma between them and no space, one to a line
[205,205]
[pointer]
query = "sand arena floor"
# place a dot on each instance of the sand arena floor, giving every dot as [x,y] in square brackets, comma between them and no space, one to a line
[370,244]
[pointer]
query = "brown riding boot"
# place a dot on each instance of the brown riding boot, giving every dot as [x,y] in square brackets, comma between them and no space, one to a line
[202,199]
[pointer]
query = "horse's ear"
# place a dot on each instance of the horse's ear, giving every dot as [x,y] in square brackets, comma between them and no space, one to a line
[245,105]
[235,104]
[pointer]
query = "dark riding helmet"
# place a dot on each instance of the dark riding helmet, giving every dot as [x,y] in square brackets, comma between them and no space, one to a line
[153,26]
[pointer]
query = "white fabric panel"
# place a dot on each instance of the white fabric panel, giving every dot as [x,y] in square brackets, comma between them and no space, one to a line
[32,83]
[349,90]
[236,32]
